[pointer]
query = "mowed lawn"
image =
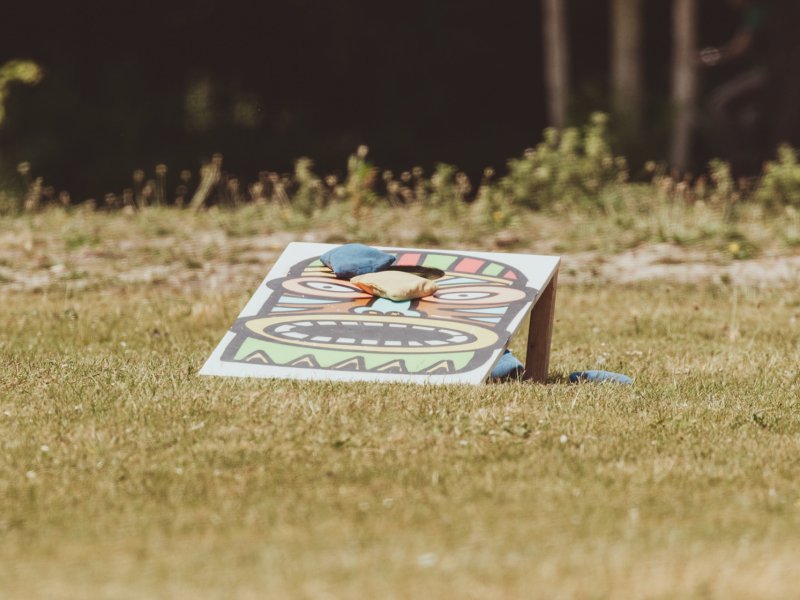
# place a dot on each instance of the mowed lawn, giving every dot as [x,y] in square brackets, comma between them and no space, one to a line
[125,475]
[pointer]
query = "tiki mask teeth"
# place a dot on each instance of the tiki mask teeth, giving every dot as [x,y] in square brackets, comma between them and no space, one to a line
[369,333]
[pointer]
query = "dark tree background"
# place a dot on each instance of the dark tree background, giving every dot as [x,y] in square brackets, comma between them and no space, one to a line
[129,85]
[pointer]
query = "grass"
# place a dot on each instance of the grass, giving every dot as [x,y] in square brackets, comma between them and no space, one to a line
[634,217]
[125,475]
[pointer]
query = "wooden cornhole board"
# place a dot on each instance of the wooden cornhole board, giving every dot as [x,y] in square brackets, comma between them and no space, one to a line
[304,323]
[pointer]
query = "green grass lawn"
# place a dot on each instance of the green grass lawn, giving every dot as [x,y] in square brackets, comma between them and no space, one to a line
[125,475]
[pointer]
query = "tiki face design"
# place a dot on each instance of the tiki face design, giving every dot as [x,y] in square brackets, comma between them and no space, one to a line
[312,320]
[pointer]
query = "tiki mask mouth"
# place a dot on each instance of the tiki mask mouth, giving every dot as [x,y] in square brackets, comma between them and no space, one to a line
[372,333]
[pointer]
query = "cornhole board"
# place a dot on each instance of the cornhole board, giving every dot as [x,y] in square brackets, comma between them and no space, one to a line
[304,323]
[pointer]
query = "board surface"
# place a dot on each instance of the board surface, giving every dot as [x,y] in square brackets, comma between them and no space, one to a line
[304,323]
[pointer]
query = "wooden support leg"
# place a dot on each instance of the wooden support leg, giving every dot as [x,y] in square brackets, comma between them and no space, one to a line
[540,333]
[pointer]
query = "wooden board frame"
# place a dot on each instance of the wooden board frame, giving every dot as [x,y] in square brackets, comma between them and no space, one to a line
[298,323]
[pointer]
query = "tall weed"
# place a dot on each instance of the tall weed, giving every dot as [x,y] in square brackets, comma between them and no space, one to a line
[569,168]
[780,184]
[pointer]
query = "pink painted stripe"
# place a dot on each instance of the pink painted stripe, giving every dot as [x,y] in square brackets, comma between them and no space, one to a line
[408,259]
[469,265]
[510,275]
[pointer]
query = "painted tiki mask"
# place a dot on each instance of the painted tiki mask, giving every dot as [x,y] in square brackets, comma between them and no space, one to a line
[312,320]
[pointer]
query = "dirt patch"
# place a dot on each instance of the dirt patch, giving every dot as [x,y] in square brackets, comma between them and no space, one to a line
[681,265]
[212,261]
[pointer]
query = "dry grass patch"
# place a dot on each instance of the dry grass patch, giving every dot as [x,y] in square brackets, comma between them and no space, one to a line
[124,475]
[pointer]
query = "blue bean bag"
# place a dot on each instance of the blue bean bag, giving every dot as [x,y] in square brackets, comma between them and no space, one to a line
[355,259]
[599,377]
[508,367]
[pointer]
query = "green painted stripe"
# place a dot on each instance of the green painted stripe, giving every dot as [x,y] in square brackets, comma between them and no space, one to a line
[439,261]
[493,269]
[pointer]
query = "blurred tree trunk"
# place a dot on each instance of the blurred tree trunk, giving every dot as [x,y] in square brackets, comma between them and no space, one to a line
[684,80]
[783,70]
[626,62]
[556,57]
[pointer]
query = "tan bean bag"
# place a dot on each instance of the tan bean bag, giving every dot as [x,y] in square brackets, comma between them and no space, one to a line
[395,285]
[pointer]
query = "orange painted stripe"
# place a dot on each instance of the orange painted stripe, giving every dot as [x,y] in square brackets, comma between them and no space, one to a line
[409,259]
[469,265]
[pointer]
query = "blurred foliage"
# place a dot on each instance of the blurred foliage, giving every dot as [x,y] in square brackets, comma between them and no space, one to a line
[573,177]
[569,167]
[281,80]
[780,184]
[21,71]
[136,83]
[25,72]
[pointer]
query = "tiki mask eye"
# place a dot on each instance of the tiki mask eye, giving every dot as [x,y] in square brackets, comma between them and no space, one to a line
[329,287]
[462,295]
[324,287]
[476,295]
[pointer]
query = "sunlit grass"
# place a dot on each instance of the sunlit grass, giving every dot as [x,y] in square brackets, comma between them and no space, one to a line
[123,474]
[67,239]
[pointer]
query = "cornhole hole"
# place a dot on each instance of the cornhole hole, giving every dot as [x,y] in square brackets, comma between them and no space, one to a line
[304,323]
